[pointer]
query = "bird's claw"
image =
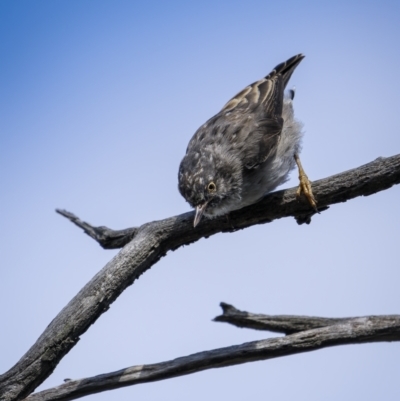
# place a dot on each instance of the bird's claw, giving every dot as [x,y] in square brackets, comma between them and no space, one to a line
[305,188]
[305,185]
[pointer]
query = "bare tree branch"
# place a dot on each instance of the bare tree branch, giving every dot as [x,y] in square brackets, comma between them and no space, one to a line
[350,331]
[107,238]
[152,241]
[366,180]
[287,324]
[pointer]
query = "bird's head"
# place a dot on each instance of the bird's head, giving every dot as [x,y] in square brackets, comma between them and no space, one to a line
[211,182]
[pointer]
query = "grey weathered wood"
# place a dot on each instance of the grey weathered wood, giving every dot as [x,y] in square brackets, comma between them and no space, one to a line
[152,241]
[353,331]
[366,180]
[287,324]
[106,237]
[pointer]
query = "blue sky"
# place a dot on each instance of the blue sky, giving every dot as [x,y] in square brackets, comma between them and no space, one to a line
[98,101]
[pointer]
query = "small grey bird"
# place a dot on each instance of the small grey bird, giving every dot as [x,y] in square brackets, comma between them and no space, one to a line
[246,150]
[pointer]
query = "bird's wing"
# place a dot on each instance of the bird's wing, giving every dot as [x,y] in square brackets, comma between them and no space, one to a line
[254,115]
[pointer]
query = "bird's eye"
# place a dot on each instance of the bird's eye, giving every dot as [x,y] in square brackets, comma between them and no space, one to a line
[211,187]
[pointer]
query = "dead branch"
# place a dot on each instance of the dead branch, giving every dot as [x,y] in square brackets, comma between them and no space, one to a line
[340,332]
[106,237]
[150,242]
[365,180]
[287,324]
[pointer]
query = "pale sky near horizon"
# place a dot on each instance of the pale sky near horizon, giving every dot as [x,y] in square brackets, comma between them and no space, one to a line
[98,100]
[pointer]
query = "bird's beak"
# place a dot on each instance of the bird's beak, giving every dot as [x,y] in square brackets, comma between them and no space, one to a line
[199,212]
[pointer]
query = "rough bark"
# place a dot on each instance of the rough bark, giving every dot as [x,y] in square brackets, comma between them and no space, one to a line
[287,324]
[366,180]
[305,338]
[145,245]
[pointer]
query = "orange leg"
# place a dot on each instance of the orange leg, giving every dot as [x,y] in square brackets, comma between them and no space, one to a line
[305,185]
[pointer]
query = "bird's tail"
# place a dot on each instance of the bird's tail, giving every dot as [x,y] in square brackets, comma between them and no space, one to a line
[286,69]
[268,91]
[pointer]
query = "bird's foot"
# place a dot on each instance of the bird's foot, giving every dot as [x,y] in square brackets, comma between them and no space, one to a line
[305,185]
[305,188]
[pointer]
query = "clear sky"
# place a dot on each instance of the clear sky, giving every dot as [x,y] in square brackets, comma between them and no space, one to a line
[98,100]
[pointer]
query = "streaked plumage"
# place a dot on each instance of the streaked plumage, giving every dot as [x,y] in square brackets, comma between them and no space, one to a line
[244,151]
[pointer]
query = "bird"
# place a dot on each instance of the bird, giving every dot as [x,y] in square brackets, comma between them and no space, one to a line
[246,150]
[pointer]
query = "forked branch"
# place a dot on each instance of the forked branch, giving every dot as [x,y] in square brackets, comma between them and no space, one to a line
[148,243]
[305,338]
[366,180]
